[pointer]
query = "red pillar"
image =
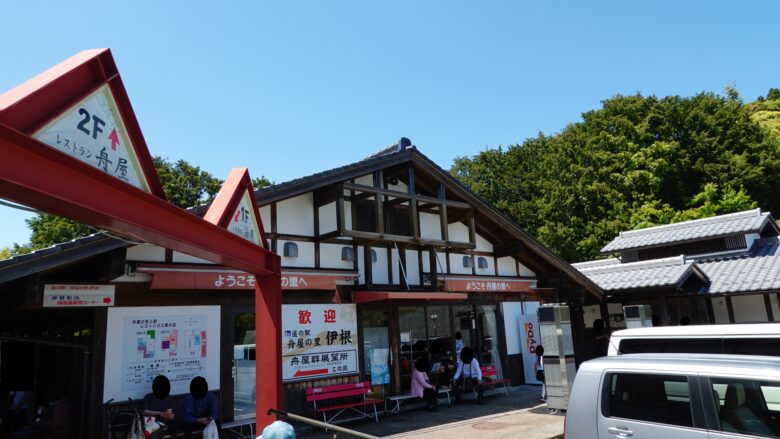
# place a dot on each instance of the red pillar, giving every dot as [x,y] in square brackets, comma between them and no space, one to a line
[268,339]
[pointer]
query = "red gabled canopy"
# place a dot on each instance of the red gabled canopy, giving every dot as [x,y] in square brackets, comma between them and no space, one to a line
[225,211]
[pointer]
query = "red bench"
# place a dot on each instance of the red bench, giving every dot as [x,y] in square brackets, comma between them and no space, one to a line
[345,397]
[491,379]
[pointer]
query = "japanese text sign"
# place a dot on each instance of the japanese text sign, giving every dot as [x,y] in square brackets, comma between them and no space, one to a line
[92,131]
[318,341]
[77,296]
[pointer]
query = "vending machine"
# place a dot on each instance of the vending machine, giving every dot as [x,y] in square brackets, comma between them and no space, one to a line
[558,359]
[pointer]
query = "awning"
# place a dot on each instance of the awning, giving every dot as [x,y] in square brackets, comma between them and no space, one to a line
[171,277]
[374,296]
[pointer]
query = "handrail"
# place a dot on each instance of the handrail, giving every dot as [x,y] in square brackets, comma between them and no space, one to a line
[320,424]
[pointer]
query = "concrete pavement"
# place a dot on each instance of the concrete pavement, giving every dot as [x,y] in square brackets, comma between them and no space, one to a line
[520,414]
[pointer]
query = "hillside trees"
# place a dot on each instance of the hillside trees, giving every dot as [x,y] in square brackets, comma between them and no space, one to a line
[635,162]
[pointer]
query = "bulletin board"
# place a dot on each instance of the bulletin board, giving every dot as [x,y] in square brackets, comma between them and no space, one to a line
[180,342]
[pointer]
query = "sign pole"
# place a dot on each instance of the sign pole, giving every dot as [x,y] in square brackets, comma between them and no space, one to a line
[268,343]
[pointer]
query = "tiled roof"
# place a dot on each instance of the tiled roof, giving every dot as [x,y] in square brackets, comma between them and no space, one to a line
[741,222]
[57,255]
[667,272]
[756,270]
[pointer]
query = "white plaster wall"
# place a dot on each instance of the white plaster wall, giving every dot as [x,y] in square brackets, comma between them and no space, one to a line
[512,312]
[366,180]
[330,257]
[750,238]
[348,215]
[148,253]
[749,309]
[265,217]
[458,232]
[395,264]
[400,187]
[413,268]
[426,261]
[328,218]
[490,270]
[430,226]
[483,244]
[720,310]
[361,265]
[442,264]
[295,216]
[590,314]
[525,271]
[187,259]
[507,266]
[379,272]
[456,264]
[305,254]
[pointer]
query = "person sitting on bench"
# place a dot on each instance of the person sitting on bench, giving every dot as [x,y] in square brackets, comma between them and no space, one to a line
[421,384]
[160,404]
[200,407]
[468,369]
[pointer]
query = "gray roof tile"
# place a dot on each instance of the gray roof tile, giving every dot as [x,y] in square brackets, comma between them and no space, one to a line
[667,272]
[741,222]
[757,270]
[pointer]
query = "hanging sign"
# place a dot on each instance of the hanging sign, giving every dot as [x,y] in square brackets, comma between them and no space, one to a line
[235,208]
[93,132]
[77,296]
[319,341]
[244,221]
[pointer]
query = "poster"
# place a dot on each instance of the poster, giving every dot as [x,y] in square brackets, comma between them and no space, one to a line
[319,341]
[529,339]
[178,342]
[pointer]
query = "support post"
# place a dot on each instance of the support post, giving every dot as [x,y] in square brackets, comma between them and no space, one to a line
[268,327]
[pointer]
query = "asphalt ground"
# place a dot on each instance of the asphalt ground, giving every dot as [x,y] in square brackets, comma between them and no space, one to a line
[521,414]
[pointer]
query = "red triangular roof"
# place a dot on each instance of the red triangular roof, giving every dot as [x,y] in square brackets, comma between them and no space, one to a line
[224,210]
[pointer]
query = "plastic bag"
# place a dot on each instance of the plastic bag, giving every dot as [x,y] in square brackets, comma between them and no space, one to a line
[211,432]
[150,425]
[137,429]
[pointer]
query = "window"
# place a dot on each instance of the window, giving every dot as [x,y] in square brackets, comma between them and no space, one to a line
[244,366]
[290,250]
[467,262]
[482,262]
[747,406]
[663,399]
[672,345]
[347,254]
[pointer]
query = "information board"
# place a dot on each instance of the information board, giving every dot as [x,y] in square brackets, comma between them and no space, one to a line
[319,341]
[143,342]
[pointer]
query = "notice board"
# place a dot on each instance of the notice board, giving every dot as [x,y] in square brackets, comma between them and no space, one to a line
[179,342]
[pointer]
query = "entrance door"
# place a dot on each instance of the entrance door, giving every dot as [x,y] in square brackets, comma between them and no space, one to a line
[465,326]
[413,339]
[376,345]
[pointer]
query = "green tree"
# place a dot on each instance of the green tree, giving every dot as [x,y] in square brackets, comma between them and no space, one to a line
[261,182]
[637,161]
[185,186]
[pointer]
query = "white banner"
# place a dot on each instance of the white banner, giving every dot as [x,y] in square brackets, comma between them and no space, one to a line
[529,339]
[318,341]
[77,296]
[143,342]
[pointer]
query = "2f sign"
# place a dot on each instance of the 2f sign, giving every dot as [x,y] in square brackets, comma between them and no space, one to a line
[97,123]
[92,131]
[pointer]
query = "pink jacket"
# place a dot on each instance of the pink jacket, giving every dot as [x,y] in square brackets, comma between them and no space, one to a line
[419,383]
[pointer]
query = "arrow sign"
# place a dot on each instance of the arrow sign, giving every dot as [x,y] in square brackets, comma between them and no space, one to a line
[305,373]
[114,139]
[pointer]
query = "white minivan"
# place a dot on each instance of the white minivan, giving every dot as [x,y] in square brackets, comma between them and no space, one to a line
[677,396]
[743,339]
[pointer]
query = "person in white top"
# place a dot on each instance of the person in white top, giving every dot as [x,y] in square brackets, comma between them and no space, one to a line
[468,369]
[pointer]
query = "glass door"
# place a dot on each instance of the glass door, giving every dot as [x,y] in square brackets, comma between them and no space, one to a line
[376,346]
[413,339]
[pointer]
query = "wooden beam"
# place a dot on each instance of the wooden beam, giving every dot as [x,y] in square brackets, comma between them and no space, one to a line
[274,222]
[376,237]
[413,213]
[434,268]
[340,210]
[508,249]
[378,204]
[443,221]
[472,227]
[391,193]
[768,304]
[317,234]
[730,309]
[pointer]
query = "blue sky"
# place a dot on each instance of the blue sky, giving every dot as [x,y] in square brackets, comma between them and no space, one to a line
[293,88]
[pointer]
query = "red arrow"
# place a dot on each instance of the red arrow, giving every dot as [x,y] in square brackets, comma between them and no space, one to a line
[304,373]
[114,139]
[106,300]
